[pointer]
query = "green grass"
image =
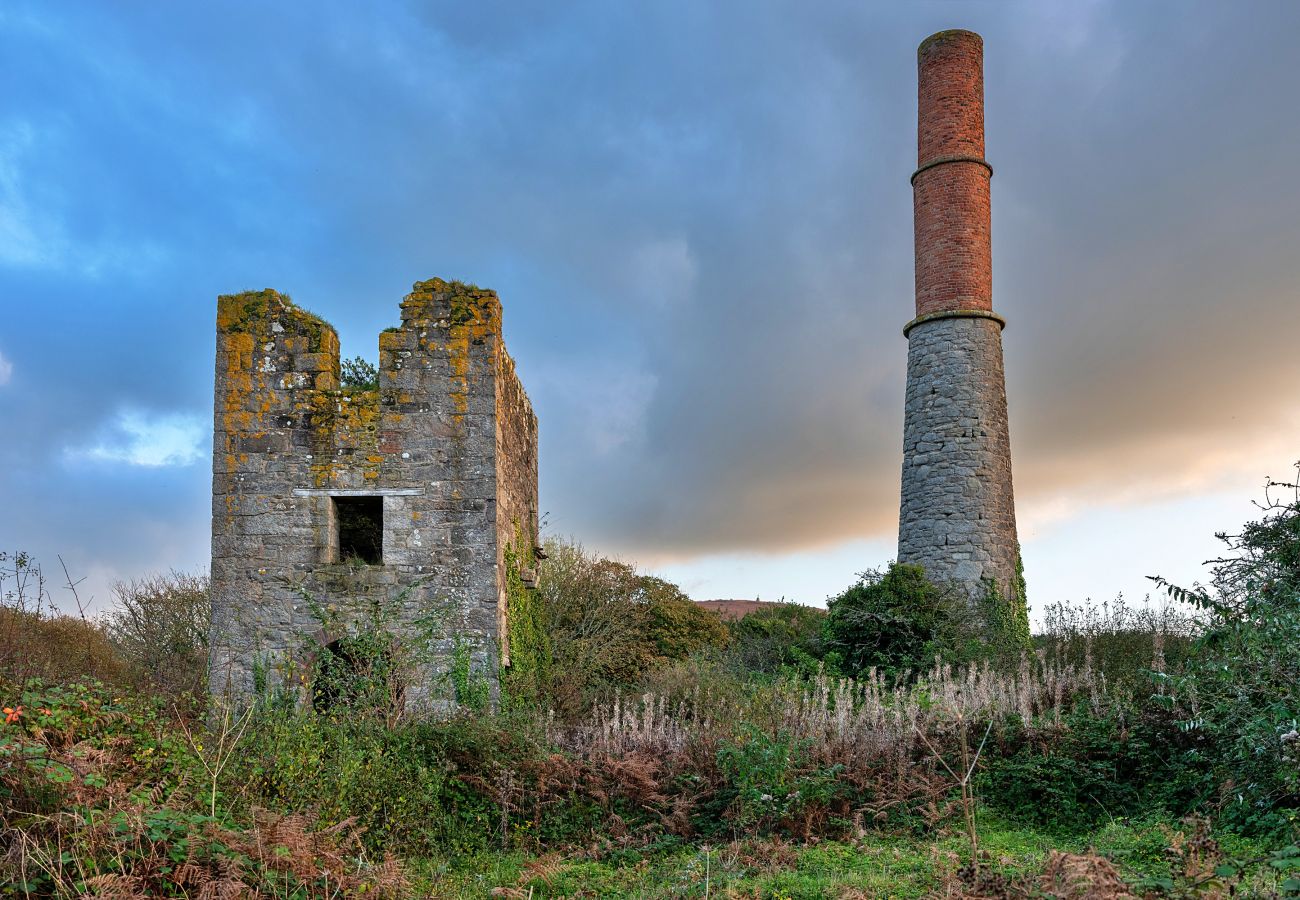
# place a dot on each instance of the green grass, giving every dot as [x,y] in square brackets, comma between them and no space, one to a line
[878,865]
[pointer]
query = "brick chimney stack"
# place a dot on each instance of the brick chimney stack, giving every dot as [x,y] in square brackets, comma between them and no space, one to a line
[951,186]
[958,515]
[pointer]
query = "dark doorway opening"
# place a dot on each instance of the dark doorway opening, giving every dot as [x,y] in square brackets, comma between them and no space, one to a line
[336,675]
[361,529]
[357,673]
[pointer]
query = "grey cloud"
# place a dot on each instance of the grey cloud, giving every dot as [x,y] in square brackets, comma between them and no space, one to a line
[699,221]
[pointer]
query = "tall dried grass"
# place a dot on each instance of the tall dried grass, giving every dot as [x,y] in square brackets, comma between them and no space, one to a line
[842,718]
[885,743]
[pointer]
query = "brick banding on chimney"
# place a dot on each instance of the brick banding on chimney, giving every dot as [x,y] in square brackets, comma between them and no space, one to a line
[943,160]
[955,314]
[957,517]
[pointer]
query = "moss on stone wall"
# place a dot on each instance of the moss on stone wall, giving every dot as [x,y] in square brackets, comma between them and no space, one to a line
[529,645]
[286,421]
[251,312]
[1007,617]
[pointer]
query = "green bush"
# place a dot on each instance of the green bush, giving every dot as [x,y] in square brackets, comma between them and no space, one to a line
[768,781]
[1242,695]
[898,620]
[779,637]
[388,779]
[1097,765]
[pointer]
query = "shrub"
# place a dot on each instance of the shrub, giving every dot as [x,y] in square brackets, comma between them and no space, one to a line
[160,624]
[354,677]
[767,780]
[777,637]
[678,627]
[99,798]
[58,648]
[610,626]
[388,781]
[1098,764]
[897,620]
[1242,697]
[36,641]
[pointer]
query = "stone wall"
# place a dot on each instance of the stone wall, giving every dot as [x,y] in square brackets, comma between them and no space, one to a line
[288,442]
[516,454]
[958,515]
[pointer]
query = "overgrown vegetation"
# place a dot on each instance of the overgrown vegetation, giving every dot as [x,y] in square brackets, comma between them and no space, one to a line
[899,621]
[358,374]
[610,628]
[879,749]
[159,625]
[778,639]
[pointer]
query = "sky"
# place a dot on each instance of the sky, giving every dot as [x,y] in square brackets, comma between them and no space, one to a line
[698,218]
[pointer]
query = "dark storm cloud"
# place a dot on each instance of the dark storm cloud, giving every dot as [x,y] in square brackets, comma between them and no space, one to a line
[697,216]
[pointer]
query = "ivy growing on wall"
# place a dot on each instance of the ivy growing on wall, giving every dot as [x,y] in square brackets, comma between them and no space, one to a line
[1007,617]
[528,644]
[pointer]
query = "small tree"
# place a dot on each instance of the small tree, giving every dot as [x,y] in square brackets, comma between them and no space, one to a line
[610,626]
[160,624]
[678,627]
[1242,696]
[776,637]
[596,631]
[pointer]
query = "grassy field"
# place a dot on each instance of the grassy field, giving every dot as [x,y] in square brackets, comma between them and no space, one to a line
[1145,854]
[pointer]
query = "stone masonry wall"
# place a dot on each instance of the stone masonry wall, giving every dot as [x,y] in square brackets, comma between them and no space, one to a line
[958,516]
[516,517]
[288,441]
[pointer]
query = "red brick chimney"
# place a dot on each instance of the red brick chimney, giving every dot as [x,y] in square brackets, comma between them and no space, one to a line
[951,186]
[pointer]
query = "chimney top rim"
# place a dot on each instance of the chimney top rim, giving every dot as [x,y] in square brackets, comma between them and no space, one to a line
[948,34]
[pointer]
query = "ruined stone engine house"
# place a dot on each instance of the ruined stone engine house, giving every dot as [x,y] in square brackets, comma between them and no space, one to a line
[412,502]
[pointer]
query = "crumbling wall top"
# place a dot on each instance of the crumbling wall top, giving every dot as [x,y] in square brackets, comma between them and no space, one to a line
[253,312]
[451,303]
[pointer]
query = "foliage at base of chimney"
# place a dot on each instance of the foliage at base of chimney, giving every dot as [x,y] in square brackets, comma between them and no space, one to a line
[1007,617]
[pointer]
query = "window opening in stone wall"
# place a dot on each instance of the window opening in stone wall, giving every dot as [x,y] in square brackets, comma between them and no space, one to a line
[360,529]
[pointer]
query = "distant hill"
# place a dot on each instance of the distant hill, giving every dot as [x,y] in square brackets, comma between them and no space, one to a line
[730,610]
